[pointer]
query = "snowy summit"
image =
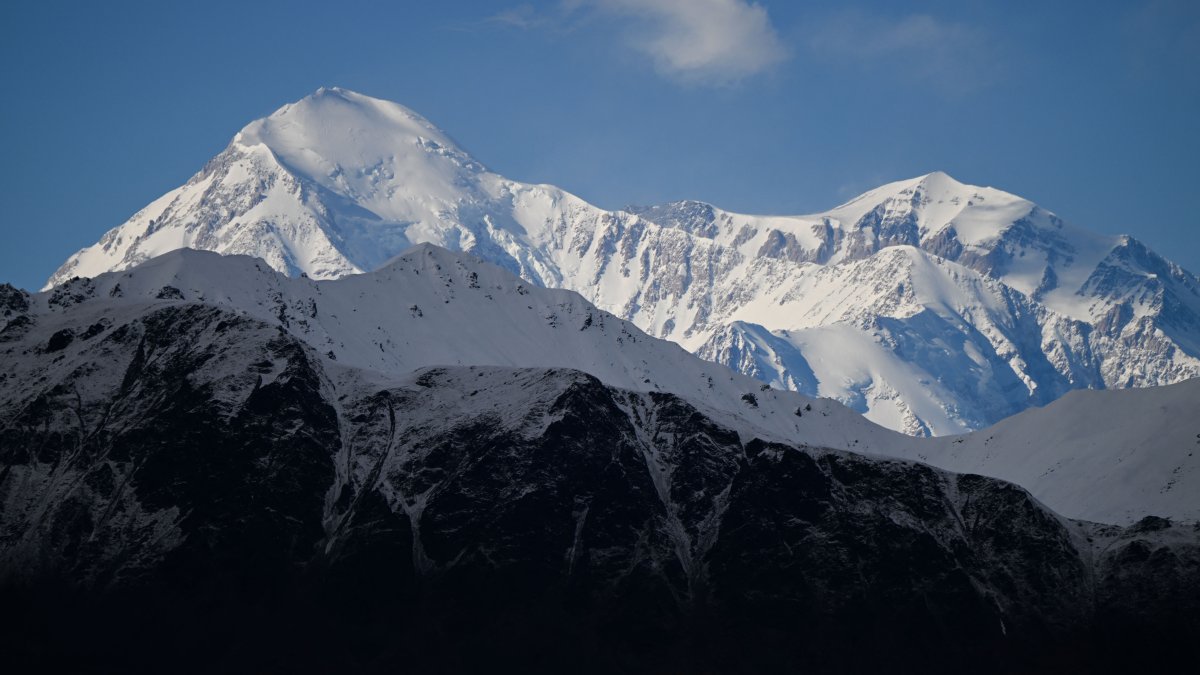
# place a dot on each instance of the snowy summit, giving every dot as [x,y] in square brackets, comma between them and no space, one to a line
[929,305]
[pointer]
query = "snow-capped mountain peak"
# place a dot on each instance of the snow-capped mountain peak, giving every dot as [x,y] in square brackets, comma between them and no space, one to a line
[869,301]
[333,184]
[927,206]
[342,111]
[379,154]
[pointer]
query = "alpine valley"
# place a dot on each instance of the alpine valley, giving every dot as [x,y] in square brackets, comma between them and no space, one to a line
[930,306]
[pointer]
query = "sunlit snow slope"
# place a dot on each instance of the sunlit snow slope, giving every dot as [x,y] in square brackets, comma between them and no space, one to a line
[931,306]
[1109,456]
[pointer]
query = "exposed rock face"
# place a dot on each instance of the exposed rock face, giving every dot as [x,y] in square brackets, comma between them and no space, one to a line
[193,488]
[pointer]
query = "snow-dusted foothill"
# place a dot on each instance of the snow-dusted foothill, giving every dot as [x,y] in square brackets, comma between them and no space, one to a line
[433,307]
[1111,457]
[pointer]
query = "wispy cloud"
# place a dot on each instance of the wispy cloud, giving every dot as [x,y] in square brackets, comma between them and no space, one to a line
[711,42]
[946,55]
[521,16]
[707,41]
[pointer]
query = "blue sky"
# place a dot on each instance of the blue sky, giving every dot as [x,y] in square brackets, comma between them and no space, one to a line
[1091,109]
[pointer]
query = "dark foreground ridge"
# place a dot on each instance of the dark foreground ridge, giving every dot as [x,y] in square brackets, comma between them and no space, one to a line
[191,490]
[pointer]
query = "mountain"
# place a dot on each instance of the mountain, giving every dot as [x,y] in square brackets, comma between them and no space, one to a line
[1111,457]
[931,306]
[206,466]
[962,305]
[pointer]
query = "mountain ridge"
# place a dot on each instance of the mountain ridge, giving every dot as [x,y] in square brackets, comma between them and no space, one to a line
[435,308]
[1025,296]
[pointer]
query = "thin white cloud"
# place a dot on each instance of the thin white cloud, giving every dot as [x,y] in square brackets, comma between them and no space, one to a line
[703,41]
[521,16]
[950,56]
[694,41]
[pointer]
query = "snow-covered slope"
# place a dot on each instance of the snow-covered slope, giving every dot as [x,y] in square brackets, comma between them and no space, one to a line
[931,306]
[1094,453]
[434,307]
